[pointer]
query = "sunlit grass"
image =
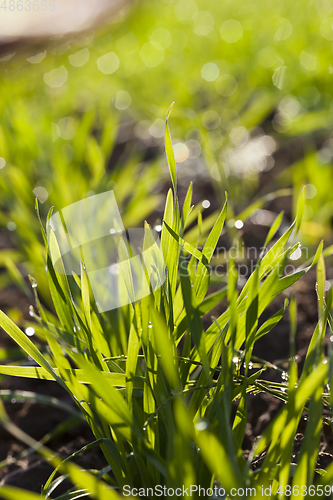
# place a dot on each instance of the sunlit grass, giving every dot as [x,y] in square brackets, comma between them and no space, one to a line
[158,395]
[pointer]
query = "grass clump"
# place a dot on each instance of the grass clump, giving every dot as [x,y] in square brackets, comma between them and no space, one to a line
[166,396]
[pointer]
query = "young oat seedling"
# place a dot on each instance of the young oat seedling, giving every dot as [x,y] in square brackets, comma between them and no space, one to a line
[158,388]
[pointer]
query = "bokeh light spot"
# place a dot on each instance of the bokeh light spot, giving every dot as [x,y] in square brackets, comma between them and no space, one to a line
[326,29]
[157,128]
[152,54]
[181,152]
[161,36]
[108,64]
[231,31]
[226,85]
[211,119]
[203,23]
[310,191]
[210,72]
[185,10]
[56,77]
[123,99]
[284,31]
[80,58]
[37,58]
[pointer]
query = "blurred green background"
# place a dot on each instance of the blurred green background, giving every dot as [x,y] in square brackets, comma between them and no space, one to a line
[252,85]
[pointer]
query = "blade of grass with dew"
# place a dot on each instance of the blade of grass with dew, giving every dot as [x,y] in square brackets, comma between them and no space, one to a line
[58,295]
[193,316]
[251,321]
[203,272]
[169,151]
[314,352]
[149,404]
[300,211]
[132,359]
[268,261]
[85,296]
[306,387]
[307,459]
[168,219]
[274,229]
[271,322]
[182,468]
[110,396]
[196,234]
[204,307]
[112,378]
[25,343]
[126,271]
[218,459]
[187,246]
[172,258]
[186,208]
[165,350]
[47,489]
[293,416]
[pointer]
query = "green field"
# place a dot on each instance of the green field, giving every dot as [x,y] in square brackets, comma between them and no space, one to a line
[235,175]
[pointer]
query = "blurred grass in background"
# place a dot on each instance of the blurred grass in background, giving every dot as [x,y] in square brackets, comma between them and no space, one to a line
[252,86]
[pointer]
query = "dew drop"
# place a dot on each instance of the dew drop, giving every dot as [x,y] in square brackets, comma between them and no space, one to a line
[201,426]
[11,226]
[30,331]
[239,224]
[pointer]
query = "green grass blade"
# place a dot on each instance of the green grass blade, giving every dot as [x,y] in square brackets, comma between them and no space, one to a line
[169,151]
